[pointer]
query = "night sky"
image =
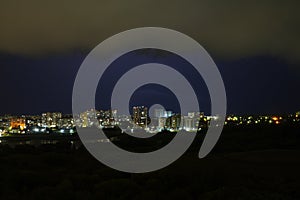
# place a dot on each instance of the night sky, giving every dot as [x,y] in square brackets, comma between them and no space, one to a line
[256,46]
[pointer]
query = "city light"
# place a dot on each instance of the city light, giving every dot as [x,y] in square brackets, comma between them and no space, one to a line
[162,120]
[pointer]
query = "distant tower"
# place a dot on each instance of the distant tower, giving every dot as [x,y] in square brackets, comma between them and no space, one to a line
[174,122]
[189,123]
[162,123]
[140,116]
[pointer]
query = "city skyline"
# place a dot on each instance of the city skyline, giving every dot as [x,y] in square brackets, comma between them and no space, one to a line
[140,119]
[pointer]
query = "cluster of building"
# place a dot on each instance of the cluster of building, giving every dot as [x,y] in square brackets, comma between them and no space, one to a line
[140,120]
[165,120]
[50,122]
[101,118]
[56,122]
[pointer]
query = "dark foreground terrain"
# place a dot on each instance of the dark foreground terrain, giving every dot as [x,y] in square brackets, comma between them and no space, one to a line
[248,163]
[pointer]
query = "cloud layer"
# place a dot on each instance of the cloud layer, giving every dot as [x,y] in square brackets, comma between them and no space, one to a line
[228,29]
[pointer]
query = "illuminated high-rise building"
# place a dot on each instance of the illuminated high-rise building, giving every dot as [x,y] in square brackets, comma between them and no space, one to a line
[140,116]
[190,124]
[161,123]
[173,122]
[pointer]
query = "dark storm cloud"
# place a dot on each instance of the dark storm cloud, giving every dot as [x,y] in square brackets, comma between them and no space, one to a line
[227,28]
